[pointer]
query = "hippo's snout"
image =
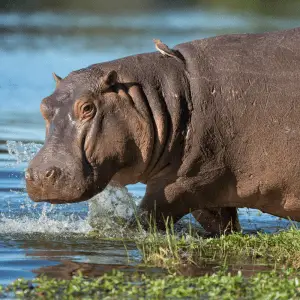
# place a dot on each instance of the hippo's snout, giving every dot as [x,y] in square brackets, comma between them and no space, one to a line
[58,179]
[46,182]
[55,185]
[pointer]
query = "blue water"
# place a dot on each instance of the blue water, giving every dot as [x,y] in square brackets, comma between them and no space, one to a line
[36,238]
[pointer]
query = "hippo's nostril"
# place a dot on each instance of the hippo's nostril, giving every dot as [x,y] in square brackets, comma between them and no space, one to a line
[50,173]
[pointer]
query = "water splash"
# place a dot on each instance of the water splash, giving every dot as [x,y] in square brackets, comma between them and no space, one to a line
[44,224]
[107,211]
[22,152]
[114,203]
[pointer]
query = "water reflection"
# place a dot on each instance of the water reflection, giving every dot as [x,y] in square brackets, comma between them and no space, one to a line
[23,255]
[66,269]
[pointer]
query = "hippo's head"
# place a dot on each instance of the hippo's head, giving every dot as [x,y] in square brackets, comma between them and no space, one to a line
[94,134]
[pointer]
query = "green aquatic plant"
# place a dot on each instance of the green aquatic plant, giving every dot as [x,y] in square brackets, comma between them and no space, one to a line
[170,250]
[271,285]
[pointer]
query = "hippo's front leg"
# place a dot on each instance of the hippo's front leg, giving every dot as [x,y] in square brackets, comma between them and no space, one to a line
[154,207]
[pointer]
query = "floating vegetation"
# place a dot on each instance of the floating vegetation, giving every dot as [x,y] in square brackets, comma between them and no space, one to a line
[271,285]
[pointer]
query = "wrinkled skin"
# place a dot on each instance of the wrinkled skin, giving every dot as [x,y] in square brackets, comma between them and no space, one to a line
[215,131]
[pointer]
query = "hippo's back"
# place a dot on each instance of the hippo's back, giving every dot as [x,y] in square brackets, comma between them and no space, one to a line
[248,85]
[276,52]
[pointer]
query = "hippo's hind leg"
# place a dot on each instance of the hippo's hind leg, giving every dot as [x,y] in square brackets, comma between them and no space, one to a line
[218,221]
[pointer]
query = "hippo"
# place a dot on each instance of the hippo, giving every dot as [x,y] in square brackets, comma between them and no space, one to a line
[213,131]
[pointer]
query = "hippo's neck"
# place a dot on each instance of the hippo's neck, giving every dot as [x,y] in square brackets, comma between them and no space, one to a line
[160,89]
[167,92]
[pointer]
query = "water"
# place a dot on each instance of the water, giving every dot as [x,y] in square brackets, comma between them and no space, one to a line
[40,238]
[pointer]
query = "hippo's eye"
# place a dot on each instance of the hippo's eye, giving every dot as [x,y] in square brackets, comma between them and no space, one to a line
[87,110]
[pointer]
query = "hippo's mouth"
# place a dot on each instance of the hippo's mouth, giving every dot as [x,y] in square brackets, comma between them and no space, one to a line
[41,195]
[59,201]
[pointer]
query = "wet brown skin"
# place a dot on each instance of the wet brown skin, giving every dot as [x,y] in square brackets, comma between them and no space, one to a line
[217,130]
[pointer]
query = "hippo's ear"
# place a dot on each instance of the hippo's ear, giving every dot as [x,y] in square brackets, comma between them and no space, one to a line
[109,80]
[57,79]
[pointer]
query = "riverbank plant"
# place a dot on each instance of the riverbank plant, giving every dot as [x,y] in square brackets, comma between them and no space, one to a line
[170,250]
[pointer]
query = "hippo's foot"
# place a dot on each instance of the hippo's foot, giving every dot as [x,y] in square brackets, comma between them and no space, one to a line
[218,221]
